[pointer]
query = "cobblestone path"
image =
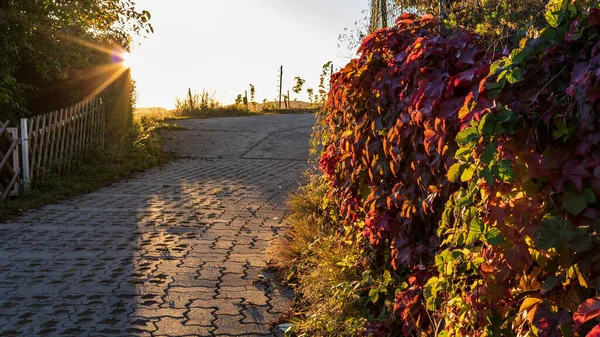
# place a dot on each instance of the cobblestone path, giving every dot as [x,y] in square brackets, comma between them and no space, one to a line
[177,251]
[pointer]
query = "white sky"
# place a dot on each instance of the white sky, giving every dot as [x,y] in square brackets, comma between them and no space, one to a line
[224,45]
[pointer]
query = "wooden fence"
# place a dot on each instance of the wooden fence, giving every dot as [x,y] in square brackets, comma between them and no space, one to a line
[60,139]
[9,161]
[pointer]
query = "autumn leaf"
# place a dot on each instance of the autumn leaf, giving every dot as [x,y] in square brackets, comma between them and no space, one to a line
[587,311]
[595,332]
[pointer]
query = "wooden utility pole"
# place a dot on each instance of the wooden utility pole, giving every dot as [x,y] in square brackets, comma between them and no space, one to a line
[384,14]
[280,85]
[444,8]
[190,98]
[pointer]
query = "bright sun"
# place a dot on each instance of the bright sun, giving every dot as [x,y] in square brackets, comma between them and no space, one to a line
[127,60]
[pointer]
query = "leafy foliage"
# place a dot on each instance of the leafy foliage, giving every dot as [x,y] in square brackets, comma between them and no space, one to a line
[502,23]
[474,176]
[44,61]
[299,84]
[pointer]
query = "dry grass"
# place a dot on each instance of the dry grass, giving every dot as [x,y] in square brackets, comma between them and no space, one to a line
[322,267]
[306,226]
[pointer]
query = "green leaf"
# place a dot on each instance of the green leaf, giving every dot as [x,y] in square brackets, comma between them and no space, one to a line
[466,136]
[502,75]
[549,34]
[555,13]
[494,237]
[519,55]
[489,153]
[475,231]
[364,191]
[575,203]
[373,295]
[505,115]
[443,262]
[514,76]
[430,292]
[554,233]
[487,175]
[499,64]
[464,152]
[488,124]
[467,173]
[505,170]
[550,283]
[387,277]
[455,171]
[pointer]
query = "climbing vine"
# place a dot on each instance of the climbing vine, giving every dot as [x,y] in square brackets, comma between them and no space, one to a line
[474,176]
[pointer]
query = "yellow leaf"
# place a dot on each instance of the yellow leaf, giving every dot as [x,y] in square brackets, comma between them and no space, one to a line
[529,303]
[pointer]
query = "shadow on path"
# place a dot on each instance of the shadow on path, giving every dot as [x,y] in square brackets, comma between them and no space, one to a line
[175,252]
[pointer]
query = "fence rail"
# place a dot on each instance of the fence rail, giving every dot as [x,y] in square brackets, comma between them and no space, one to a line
[57,140]
[9,161]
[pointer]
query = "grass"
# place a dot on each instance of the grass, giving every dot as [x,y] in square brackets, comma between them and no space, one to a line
[323,268]
[140,151]
[216,112]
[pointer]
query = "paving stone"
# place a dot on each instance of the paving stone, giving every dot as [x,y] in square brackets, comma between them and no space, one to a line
[172,252]
[259,315]
[174,327]
[232,326]
[200,316]
[158,312]
[229,307]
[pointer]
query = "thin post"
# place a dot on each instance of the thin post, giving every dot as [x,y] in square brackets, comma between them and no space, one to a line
[443,6]
[384,14]
[289,100]
[280,85]
[330,75]
[190,98]
[25,154]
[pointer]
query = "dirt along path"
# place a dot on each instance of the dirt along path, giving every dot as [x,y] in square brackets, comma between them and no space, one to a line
[177,251]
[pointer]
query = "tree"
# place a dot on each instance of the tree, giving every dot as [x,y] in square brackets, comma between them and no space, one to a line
[299,83]
[311,93]
[252,92]
[381,13]
[239,100]
[298,87]
[502,23]
[325,72]
[54,53]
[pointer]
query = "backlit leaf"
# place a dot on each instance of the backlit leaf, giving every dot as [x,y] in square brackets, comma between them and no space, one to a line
[467,173]
[466,136]
[493,236]
[455,171]
[475,231]
[587,311]
[575,203]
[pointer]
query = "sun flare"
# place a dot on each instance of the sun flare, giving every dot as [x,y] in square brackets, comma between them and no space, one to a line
[126,60]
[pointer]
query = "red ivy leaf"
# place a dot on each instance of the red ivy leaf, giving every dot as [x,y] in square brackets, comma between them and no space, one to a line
[575,170]
[595,332]
[588,310]
[427,18]
[595,16]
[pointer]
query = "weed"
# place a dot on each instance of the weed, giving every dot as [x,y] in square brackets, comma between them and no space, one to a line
[326,272]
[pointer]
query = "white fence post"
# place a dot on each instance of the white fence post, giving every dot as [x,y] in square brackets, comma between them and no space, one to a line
[25,154]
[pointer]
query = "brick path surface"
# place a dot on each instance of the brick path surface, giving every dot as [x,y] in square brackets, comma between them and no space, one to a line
[177,251]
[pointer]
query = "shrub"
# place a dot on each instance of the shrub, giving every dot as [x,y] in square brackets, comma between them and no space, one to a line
[473,176]
[195,102]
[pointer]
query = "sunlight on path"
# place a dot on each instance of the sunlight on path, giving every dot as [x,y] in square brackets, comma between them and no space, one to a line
[174,252]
